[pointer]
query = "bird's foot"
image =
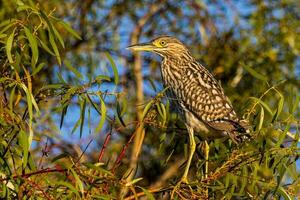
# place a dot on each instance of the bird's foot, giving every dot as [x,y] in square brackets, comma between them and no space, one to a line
[176,189]
[184,180]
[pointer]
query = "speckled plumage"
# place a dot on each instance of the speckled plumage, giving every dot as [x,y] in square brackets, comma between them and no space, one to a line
[200,98]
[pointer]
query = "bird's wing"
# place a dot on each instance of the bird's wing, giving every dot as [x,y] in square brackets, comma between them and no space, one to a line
[205,98]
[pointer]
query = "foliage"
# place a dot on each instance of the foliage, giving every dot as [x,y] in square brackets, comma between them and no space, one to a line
[70,110]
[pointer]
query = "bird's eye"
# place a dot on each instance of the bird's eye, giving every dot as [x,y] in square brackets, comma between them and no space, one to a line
[162,43]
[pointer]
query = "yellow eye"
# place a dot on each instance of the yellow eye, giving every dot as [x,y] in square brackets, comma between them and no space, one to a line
[162,43]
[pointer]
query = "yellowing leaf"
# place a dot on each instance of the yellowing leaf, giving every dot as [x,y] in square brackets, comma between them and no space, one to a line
[33,45]
[9,43]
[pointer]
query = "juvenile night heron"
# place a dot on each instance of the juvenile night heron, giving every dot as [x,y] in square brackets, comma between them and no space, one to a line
[198,96]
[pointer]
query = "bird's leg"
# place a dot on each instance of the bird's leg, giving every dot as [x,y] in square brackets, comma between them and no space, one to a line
[206,155]
[192,148]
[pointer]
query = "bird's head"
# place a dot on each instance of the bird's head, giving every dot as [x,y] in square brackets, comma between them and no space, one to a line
[165,46]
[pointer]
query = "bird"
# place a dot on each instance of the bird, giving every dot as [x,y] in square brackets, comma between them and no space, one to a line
[197,95]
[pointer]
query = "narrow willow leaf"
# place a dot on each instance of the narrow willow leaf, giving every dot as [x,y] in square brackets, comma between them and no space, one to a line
[72,69]
[101,78]
[31,163]
[279,107]
[78,182]
[97,166]
[33,45]
[114,67]
[23,141]
[93,104]
[38,68]
[58,36]
[146,109]
[23,7]
[5,22]
[29,100]
[61,79]
[261,118]
[12,98]
[54,47]
[133,181]
[164,113]
[152,84]
[28,77]
[9,43]
[45,47]
[159,109]
[119,114]
[103,115]
[82,114]
[257,100]
[6,27]
[295,105]
[283,135]
[255,73]
[283,193]
[70,186]
[70,30]
[63,114]
[76,126]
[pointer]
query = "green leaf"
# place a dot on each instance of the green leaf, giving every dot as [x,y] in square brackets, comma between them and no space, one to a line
[101,78]
[103,115]
[9,43]
[255,73]
[133,181]
[119,114]
[29,101]
[54,47]
[7,26]
[24,7]
[263,104]
[63,114]
[72,69]
[79,183]
[82,114]
[97,166]
[93,104]
[146,109]
[283,193]
[114,67]
[162,112]
[38,68]
[76,125]
[61,79]
[70,30]
[148,194]
[24,143]
[261,118]
[56,33]
[279,106]
[34,46]
[45,47]
[51,36]
[68,185]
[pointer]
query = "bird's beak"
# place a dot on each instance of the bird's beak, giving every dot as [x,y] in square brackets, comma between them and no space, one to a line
[142,47]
